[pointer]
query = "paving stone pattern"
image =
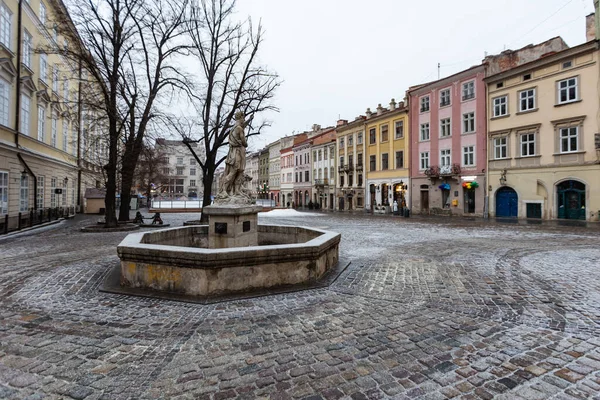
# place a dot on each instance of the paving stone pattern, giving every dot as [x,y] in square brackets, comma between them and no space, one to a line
[429,309]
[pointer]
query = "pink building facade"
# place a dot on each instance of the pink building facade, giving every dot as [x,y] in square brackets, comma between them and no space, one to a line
[448,145]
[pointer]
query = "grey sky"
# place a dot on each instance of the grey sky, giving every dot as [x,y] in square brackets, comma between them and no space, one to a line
[338,57]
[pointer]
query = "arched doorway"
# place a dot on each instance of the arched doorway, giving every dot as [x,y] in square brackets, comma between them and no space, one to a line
[571,200]
[306,198]
[507,202]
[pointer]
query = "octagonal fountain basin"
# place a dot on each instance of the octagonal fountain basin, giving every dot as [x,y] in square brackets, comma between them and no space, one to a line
[178,260]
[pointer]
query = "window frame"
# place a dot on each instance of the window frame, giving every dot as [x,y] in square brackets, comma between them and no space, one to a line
[424,104]
[385,161]
[528,143]
[445,157]
[497,145]
[5,25]
[532,97]
[494,106]
[449,100]
[445,126]
[399,124]
[561,139]
[468,154]
[24,193]
[466,120]
[424,160]
[4,177]
[5,100]
[41,130]
[424,127]
[559,90]
[372,136]
[384,129]
[467,94]
[401,153]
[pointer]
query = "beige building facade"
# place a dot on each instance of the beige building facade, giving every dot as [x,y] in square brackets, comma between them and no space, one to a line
[543,137]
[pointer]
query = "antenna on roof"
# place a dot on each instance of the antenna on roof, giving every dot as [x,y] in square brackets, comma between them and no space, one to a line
[438,70]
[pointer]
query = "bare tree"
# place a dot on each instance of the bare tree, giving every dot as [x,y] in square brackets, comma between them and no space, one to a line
[149,172]
[232,80]
[129,48]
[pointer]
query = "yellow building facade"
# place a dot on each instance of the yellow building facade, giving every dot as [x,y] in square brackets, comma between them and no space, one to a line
[350,179]
[543,140]
[46,160]
[387,157]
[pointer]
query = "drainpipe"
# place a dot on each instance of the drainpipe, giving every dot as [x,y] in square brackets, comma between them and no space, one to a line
[79,138]
[19,44]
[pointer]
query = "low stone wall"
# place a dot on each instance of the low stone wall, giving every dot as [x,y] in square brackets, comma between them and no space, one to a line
[178,268]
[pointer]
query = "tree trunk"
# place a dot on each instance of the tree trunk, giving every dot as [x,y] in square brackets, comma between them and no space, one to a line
[110,212]
[126,184]
[207,181]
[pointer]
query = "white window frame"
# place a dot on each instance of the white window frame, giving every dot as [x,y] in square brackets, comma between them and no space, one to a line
[342,143]
[570,83]
[526,96]
[468,90]
[25,114]
[500,145]
[445,157]
[42,15]
[5,25]
[399,124]
[424,134]
[55,78]
[27,48]
[424,103]
[500,106]
[468,157]
[41,123]
[359,138]
[74,134]
[65,132]
[39,198]
[24,193]
[424,160]
[468,122]
[54,129]
[4,102]
[192,171]
[443,94]
[527,139]
[53,192]
[3,192]
[66,89]
[43,67]
[445,127]
[566,139]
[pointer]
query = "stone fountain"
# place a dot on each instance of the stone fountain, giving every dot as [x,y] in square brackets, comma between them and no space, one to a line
[232,254]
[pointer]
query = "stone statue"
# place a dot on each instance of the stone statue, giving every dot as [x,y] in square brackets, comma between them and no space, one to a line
[232,190]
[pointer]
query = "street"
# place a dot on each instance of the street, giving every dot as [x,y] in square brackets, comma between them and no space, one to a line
[428,309]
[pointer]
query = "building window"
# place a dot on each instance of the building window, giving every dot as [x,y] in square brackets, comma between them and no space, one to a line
[55,79]
[424,103]
[527,100]
[192,171]
[52,192]
[350,140]
[54,129]
[342,181]
[500,106]
[567,90]
[384,162]
[65,135]
[384,133]
[3,193]
[192,182]
[320,155]
[445,129]
[332,152]
[469,156]
[192,162]
[25,111]
[469,122]
[372,136]
[359,181]
[500,148]
[66,89]
[5,25]
[43,66]
[342,143]
[528,144]
[569,138]
[74,135]
[399,159]
[425,131]
[27,48]
[306,176]
[41,123]
[341,161]
[399,129]
[350,180]
[24,194]
[331,174]
[73,185]
[444,97]
[4,102]
[372,163]
[179,170]
[359,139]
[424,160]
[179,160]
[445,157]
[468,90]
[42,12]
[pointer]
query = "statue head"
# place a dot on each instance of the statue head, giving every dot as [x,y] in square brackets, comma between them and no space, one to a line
[239,115]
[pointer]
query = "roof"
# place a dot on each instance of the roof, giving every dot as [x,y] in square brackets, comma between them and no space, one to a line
[326,137]
[300,138]
[95,193]
[446,80]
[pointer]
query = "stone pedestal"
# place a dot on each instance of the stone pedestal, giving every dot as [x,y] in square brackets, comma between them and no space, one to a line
[232,226]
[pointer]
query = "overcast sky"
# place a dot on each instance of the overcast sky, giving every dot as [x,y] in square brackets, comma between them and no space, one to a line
[338,57]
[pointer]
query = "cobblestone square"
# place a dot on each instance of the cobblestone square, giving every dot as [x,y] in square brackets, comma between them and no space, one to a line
[428,308]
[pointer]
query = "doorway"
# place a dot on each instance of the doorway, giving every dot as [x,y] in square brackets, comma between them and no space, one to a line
[424,200]
[507,203]
[571,200]
[469,199]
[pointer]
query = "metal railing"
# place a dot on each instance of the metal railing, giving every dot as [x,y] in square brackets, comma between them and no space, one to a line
[27,219]
[178,204]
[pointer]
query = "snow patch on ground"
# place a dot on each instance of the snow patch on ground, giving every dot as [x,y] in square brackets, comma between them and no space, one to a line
[288,212]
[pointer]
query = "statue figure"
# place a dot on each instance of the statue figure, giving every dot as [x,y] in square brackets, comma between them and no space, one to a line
[231,189]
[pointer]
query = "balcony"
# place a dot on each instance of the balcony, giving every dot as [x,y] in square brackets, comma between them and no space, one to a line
[432,172]
[453,169]
[321,182]
[359,167]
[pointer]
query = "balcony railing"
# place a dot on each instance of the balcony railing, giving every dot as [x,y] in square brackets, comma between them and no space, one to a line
[359,167]
[321,182]
[468,96]
[445,103]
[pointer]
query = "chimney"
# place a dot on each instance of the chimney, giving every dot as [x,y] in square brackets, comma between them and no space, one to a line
[341,122]
[401,104]
[590,27]
[316,127]
[392,105]
[379,109]
[369,113]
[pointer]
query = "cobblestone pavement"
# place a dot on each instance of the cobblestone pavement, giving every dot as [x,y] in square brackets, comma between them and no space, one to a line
[428,309]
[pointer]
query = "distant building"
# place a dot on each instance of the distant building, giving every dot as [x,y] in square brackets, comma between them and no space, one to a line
[182,174]
[252,171]
[323,160]
[286,186]
[274,171]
